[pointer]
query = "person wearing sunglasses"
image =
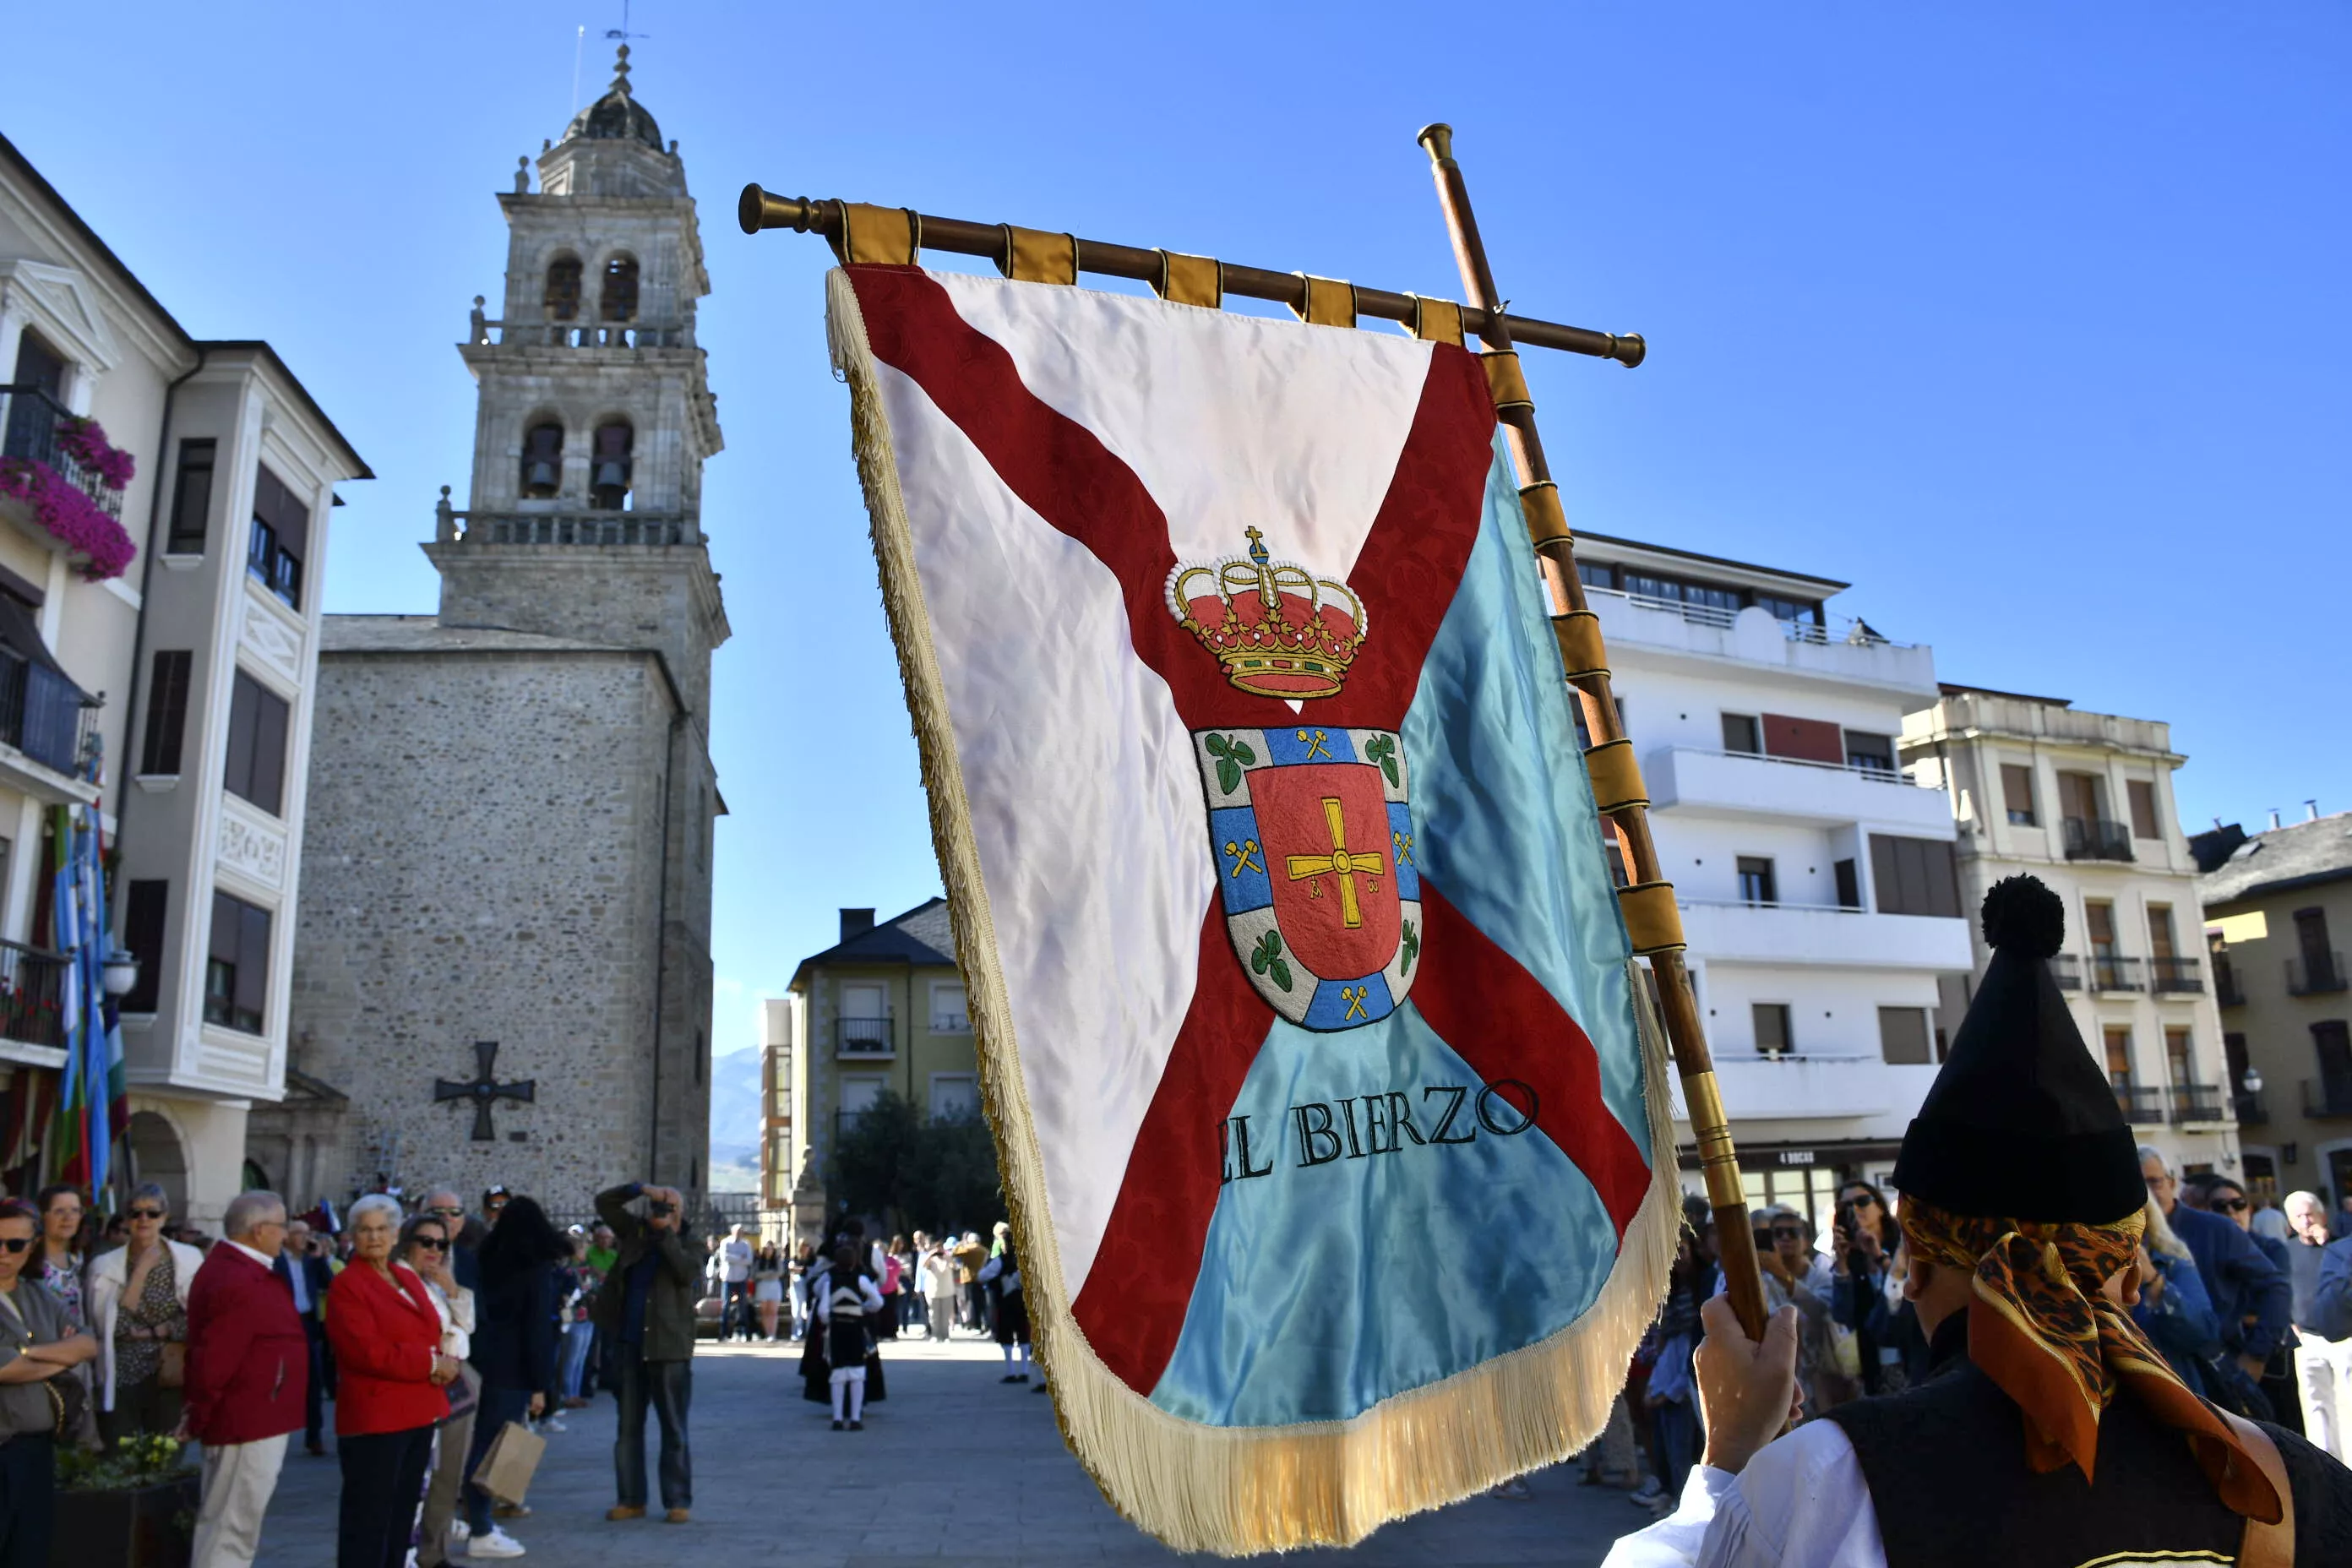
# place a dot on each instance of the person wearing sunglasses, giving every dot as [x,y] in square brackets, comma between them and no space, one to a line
[138,1303]
[425,1246]
[1797,1275]
[2251,1295]
[60,1266]
[36,1344]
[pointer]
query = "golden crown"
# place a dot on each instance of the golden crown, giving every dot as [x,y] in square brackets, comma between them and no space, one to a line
[1278,629]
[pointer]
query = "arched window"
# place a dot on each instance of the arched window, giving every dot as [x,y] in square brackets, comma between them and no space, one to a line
[542,461]
[620,297]
[608,465]
[562,301]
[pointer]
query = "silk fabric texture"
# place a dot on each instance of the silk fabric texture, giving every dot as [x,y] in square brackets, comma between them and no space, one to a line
[2041,1328]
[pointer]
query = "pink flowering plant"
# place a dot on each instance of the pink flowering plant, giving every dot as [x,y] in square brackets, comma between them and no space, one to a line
[66,512]
[85,442]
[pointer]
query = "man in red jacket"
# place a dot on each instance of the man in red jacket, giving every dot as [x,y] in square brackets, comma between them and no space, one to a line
[248,1376]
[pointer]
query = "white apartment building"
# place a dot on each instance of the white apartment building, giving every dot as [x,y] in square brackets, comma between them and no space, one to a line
[1816,880]
[2084,802]
[158,644]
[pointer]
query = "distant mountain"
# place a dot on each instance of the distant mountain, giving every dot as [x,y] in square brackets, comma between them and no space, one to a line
[735,1109]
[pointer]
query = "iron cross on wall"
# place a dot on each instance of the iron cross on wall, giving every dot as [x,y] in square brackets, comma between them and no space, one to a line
[484,1089]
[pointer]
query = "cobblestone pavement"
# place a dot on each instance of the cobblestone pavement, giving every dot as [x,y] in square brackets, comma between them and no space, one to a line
[953,1466]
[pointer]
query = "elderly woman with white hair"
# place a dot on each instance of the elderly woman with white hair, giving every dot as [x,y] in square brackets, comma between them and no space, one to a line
[393,1374]
[137,1301]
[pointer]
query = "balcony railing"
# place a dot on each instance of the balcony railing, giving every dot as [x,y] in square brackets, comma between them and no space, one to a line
[564,527]
[2139,1105]
[1877,774]
[2327,1096]
[42,714]
[2225,984]
[2252,1109]
[2109,972]
[2175,975]
[2096,839]
[1841,631]
[29,418]
[2196,1102]
[585,334]
[2314,974]
[32,993]
[2066,970]
[862,1037]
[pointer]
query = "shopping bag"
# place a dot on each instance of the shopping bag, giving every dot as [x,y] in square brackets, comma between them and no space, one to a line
[506,1470]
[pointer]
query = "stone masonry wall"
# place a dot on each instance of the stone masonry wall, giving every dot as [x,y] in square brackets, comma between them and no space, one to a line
[480,863]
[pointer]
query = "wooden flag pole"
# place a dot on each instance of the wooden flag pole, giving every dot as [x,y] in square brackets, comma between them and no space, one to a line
[1648,900]
[918,232]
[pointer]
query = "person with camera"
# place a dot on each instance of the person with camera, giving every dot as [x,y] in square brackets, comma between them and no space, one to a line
[38,1398]
[645,1312]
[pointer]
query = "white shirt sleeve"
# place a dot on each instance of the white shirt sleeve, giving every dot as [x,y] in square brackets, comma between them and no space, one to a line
[1800,1503]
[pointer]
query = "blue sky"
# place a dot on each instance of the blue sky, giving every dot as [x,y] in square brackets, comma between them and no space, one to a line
[2028,320]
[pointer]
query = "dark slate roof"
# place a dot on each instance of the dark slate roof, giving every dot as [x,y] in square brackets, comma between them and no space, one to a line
[2296,856]
[617,116]
[918,936]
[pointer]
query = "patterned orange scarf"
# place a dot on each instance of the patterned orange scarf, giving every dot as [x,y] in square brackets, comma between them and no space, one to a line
[2043,1331]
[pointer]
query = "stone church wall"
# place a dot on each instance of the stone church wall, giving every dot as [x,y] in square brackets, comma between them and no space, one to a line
[482,849]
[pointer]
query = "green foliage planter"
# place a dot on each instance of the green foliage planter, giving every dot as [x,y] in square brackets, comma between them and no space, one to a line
[133,1506]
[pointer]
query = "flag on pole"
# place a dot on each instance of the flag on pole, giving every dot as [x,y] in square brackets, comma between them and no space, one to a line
[1331,1114]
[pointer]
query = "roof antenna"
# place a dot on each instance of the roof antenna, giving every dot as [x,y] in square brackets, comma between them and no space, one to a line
[579,44]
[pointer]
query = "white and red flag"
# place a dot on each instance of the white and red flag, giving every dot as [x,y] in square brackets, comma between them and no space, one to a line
[1339,1161]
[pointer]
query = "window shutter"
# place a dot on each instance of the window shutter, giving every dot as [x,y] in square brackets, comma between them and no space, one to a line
[142,933]
[269,752]
[244,717]
[167,712]
[252,966]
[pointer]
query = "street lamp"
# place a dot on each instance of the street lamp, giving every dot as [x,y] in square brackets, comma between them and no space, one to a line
[120,973]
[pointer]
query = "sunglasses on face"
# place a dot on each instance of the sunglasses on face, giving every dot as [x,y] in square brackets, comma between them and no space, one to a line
[448,1214]
[430,1244]
[1782,1232]
[2230,1205]
[146,1213]
[15,1243]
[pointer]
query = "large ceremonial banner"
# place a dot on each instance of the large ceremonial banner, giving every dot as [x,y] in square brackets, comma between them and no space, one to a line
[1335,1130]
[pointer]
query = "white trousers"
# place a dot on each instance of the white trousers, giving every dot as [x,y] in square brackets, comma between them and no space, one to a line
[238,1480]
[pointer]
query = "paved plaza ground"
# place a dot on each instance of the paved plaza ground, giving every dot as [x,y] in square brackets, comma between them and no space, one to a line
[954,1465]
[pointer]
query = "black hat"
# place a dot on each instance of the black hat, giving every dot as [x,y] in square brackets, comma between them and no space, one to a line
[2020,1122]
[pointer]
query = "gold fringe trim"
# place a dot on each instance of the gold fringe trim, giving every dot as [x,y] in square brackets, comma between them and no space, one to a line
[1237,1490]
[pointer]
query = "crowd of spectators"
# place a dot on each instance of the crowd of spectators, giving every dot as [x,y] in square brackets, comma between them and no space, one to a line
[427,1332]
[2230,1283]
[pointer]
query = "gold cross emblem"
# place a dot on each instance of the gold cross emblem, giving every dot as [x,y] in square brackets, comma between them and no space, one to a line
[1353,995]
[1313,741]
[1340,863]
[1245,856]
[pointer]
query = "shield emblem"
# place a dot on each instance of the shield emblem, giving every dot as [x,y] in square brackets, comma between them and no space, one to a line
[1312,830]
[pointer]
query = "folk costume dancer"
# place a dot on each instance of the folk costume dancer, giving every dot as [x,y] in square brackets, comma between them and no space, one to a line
[2049,1433]
[848,1307]
[1002,1276]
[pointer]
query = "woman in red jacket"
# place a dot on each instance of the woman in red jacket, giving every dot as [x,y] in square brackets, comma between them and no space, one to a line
[387,1340]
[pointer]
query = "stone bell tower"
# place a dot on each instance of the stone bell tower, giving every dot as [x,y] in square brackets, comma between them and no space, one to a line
[502,968]
[594,415]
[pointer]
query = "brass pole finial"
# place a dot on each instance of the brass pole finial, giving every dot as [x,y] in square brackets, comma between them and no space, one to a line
[1438,137]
